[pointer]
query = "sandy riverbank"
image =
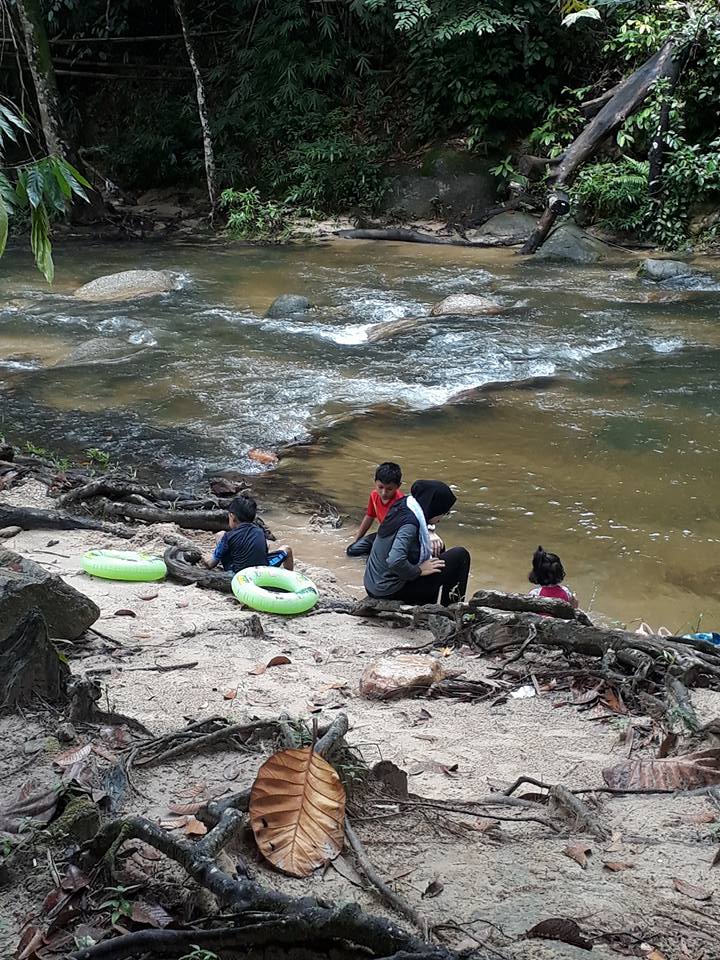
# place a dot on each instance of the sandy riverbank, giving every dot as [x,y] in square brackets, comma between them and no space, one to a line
[498,878]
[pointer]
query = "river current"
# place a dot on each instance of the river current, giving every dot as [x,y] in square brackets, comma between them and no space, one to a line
[613,463]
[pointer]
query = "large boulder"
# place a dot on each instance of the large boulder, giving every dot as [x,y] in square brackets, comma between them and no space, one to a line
[507,228]
[571,243]
[25,585]
[128,285]
[287,305]
[465,305]
[659,270]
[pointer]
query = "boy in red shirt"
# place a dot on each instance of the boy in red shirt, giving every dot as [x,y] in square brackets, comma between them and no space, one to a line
[388,478]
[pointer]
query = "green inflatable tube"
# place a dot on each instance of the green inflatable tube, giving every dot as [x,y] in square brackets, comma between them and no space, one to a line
[123,565]
[250,588]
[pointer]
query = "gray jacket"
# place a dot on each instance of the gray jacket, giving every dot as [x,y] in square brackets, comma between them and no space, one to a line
[393,561]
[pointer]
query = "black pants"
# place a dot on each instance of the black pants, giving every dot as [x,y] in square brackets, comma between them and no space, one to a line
[361,547]
[452,579]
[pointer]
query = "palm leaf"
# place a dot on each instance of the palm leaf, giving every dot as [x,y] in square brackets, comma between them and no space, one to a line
[40,241]
[3,226]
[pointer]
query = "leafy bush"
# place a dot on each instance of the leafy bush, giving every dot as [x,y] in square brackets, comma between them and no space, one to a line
[250,218]
[615,194]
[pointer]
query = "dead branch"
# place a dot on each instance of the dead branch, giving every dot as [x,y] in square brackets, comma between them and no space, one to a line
[29,518]
[520,603]
[566,801]
[213,520]
[414,236]
[386,894]
[191,740]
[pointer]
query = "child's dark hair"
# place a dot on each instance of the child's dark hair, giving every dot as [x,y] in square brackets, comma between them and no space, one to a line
[547,570]
[389,473]
[244,508]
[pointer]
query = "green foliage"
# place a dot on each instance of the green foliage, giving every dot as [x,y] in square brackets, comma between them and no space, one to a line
[40,189]
[98,458]
[197,953]
[251,218]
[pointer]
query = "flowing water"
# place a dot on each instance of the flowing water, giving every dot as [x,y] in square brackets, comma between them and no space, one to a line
[613,464]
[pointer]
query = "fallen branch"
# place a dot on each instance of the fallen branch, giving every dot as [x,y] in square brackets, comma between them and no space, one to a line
[414,236]
[29,518]
[213,520]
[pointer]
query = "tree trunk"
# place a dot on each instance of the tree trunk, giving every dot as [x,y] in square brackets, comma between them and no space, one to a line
[656,153]
[628,96]
[43,74]
[210,172]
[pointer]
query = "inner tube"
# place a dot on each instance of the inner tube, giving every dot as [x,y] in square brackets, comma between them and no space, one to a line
[249,587]
[123,565]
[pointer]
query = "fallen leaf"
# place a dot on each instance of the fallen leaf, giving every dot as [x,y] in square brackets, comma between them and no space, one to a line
[262,456]
[32,805]
[195,828]
[103,752]
[691,890]
[149,595]
[432,766]
[347,871]
[433,889]
[150,915]
[124,613]
[89,934]
[422,717]
[30,942]
[616,866]
[667,745]
[613,701]
[230,694]
[73,756]
[616,844]
[703,817]
[74,879]
[589,697]
[278,661]
[655,955]
[560,928]
[578,852]
[686,772]
[174,823]
[186,809]
[297,811]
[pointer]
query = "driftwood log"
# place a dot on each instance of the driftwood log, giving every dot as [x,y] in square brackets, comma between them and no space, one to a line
[626,97]
[213,520]
[403,235]
[30,665]
[29,518]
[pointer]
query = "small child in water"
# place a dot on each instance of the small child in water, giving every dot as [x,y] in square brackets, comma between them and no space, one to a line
[388,478]
[244,543]
[548,573]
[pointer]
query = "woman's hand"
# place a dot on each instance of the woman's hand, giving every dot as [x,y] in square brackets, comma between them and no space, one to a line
[436,544]
[433,565]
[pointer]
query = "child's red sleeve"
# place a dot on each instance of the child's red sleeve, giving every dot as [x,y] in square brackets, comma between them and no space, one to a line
[371,508]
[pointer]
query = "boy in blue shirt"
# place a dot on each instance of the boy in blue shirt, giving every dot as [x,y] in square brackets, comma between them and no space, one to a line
[244,544]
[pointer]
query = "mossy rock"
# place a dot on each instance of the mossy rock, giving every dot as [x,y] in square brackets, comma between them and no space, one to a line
[79,821]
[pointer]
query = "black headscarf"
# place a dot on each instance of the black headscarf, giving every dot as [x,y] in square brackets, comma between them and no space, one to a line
[435,499]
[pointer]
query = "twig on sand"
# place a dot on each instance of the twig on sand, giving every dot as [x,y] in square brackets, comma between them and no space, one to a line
[388,895]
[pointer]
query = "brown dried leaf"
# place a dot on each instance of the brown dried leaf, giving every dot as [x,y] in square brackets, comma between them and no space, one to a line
[278,661]
[590,696]
[124,613]
[614,701]
[578,852]
[432,766]
[74,879]
[150,914]
[559,928]
[701,818]
[691,890]
[73,756]
[175,823]
[31,805]
[186,809]
[194,828]
[616,866]
[297,811]
[103,752]
[230,694]
[30,942]
[686,772]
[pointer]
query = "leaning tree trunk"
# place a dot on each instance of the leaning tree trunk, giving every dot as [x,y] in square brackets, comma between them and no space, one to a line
[656,153]
[43,74]
[628,96]
[210,172]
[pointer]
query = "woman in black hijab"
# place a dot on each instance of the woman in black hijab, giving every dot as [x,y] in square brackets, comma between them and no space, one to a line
[401,565]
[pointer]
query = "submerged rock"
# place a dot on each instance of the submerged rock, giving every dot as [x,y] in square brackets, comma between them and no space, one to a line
[507,228]
[659,270]
[286,305]
[100,350]
[127,285]
[394,328]
[572,243]
[465,305]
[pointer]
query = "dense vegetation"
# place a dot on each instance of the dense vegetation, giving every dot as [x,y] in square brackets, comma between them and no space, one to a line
[311,103]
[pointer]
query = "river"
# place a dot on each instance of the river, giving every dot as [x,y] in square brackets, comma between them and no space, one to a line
[613,465]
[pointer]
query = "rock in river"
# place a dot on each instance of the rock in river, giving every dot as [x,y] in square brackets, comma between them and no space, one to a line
[286,305]
[572,243]
[393,328]
[659,270]
[505,229]
[465,305]
[128,284]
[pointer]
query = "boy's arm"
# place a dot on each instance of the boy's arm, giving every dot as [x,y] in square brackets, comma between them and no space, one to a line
[367,522]
[212,560]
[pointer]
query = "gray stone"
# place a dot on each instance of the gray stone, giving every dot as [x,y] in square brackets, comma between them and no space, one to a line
[66,732]
[659,270]
[571,243]
[25,585]
[513,226]
[286,305]
[128,285]
[99,350]
[7,532]
[449,183]
[465,305]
